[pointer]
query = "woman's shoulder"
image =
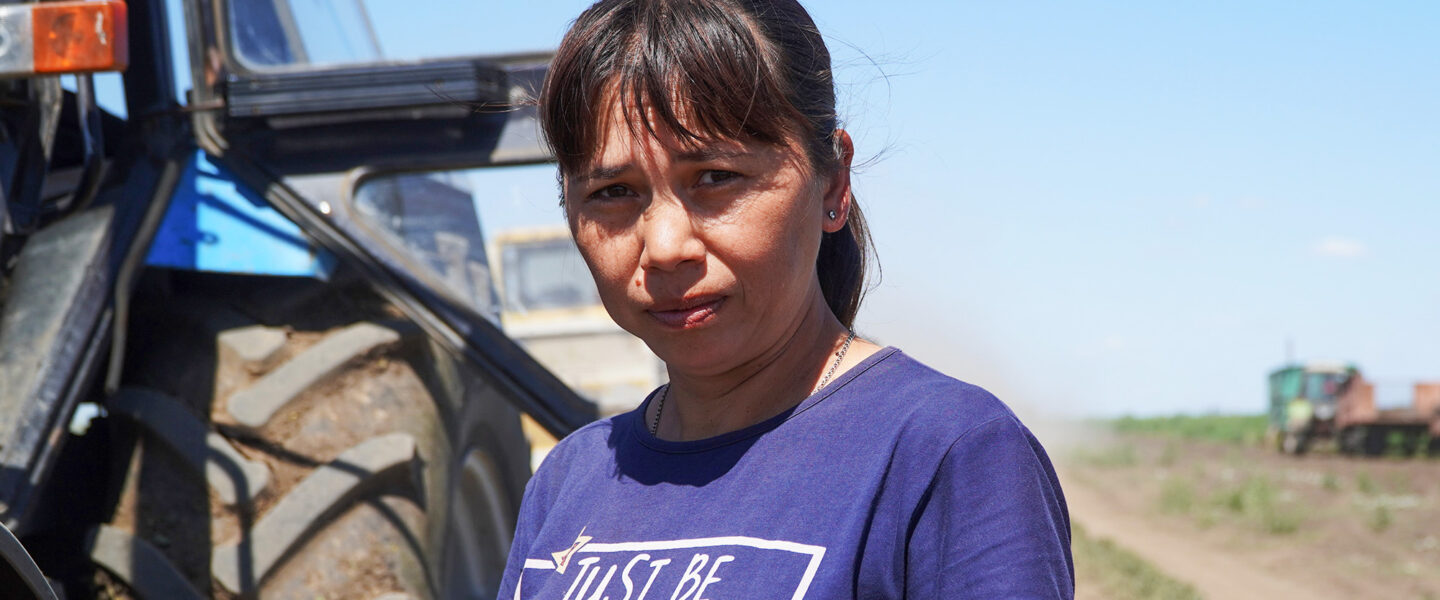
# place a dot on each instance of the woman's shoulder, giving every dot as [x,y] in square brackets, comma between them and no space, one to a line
[942,428]
[909,392]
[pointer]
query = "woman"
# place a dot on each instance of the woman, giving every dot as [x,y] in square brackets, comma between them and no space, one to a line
[708,187]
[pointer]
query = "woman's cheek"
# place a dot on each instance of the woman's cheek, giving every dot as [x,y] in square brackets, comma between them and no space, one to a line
[614,285]
[613,268]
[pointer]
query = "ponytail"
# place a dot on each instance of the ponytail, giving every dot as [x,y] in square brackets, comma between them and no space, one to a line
[842,264]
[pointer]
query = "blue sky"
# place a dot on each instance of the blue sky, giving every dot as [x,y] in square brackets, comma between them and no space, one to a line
[1109,208]
[1148,202]
[1136,206]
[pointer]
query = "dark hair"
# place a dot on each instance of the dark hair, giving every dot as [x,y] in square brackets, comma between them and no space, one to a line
[708,69]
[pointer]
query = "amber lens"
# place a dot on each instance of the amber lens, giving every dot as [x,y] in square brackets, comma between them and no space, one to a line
[78,37]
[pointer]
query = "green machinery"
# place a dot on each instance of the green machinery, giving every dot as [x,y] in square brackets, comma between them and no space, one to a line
[1303,402]
[1334,401]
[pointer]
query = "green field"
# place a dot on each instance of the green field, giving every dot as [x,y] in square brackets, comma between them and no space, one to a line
[1236,429]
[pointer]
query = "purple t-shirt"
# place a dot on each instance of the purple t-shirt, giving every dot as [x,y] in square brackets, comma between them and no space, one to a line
[895,481]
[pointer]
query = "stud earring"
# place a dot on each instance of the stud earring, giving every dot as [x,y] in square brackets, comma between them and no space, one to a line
[831,214]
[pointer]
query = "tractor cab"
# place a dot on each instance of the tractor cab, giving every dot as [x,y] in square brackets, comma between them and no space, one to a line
[1303,402]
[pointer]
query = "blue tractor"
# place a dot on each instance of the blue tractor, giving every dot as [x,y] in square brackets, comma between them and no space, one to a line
[248,337]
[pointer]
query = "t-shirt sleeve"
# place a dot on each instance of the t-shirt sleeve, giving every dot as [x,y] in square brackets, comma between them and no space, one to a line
[993,523]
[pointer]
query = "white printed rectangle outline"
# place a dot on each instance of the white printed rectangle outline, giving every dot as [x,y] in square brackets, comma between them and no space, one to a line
[816,553]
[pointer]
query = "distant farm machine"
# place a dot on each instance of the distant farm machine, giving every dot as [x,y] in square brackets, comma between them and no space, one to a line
[1335,402]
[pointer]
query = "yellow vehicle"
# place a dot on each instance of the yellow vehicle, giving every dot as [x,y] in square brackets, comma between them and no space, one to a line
[550,306]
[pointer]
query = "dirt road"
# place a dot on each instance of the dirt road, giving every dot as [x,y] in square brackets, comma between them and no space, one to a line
[1242,521]
[1213,572]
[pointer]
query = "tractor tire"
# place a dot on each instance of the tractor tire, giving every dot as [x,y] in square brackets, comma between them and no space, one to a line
[1346,442]
[1295,443]
[1374,440]
[296,439]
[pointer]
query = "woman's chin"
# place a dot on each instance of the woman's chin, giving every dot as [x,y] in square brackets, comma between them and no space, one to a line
[699,354]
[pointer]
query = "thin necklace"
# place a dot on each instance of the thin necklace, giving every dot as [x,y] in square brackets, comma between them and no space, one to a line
[655,426]
[839,356]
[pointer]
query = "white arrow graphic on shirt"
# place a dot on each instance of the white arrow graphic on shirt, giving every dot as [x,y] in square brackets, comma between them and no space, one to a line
[562,558]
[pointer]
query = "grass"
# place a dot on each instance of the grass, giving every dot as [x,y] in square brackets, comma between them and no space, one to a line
[1235,429]
[1121,575]
[1365,484]
[1177,496]
[1331,483]
[1380,519]
[1256,500]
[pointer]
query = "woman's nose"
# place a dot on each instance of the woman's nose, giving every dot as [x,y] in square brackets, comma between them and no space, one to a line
[669,237]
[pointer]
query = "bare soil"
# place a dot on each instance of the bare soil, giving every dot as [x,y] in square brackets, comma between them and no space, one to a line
[1239,521]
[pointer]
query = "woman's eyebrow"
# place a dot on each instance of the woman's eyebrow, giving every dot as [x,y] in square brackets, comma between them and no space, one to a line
[602,173]
[710,153]
[695,155]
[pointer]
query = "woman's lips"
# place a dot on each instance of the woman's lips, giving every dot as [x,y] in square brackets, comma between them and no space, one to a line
[691,313]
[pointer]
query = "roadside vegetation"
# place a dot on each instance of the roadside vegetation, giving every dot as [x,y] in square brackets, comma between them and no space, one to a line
[1256,501]
[1109,571]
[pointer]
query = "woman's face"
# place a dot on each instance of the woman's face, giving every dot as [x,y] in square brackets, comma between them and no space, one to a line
[707,251]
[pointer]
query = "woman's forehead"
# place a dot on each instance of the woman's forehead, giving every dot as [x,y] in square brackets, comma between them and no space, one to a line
[630,128]
[674,124]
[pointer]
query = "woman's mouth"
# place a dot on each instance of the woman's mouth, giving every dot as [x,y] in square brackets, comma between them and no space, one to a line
[689,313]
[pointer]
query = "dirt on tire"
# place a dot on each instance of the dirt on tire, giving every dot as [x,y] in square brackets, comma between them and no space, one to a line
[365,540]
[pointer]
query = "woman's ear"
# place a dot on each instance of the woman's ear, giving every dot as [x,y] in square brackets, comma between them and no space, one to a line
[837,191]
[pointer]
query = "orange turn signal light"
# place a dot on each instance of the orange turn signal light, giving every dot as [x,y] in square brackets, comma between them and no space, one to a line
[52,38]
[80,37]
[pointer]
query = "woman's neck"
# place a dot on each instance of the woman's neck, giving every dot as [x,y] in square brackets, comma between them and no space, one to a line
[775,380]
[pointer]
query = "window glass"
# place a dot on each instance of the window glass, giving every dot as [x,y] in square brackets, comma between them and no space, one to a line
[546,274]
[430,219]
[458,228]
[269,34]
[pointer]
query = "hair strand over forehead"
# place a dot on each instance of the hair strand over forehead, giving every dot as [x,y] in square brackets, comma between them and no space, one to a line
[701,70]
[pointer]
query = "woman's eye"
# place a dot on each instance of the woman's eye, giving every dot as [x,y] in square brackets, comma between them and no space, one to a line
[715,177]
[611,192]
